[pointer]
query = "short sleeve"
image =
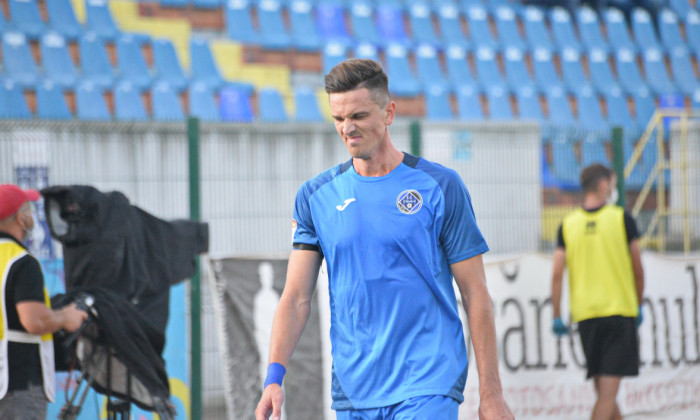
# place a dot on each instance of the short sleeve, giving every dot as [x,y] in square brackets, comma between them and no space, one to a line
[304,232]
[631,228]
[28,281]
[560,237]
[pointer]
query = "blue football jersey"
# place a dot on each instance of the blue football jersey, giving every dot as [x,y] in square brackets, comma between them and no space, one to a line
[388,242]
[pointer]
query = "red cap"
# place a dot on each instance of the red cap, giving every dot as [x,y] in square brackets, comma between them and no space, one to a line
[13,197]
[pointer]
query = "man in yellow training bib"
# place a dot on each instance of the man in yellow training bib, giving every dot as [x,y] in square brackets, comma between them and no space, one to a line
[598,243]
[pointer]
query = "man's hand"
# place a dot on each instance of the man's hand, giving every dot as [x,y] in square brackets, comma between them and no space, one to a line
[74,317]
[559,328]
[494,408]
[270,403]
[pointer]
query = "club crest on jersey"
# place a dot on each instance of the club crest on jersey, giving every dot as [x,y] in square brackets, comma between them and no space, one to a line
[409,202]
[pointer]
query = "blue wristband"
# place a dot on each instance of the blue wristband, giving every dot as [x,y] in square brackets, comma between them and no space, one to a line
[275,374]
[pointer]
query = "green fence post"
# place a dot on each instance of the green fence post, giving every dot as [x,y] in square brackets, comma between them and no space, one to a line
[195,291]
[619,164]
[415,138]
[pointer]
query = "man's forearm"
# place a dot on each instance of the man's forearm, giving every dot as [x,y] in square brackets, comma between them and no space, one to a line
[483,336]
[289,322]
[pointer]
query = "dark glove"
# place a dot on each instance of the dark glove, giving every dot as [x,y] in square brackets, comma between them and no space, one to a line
[640,317]
[559,328]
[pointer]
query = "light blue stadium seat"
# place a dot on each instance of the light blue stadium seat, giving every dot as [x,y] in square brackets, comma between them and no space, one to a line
[390,26]
[682,69]
[167,65]
[128,105]
[529,107]
[166,103]
[18,61]
[304,32]
[656,74]
[175,3]
[13,105]
[62,18]
[516,69]
[273,33]
[450,25]
[669,29]
[330,19]
[499,103]
[545,74]
[645,164]
[95,63]
[507,27]
[208,4]
[99,19]
[202,104]
[643,30]
[590,114]
[239,22]
[617,30]
[307,109]
[695,100]
[469,104]
[271,106]
[437,104]
[572,70]
[204,67]
[363,27]
[536,31]
[565,166]
[563,29]
[90,103]
[56,60]
[458,71]
[619,113]
[692,31]
[402,81]
[333,53]
[428,65]
[644,108]
[680,7]
[365,49]
[479,28]
[593,150]
[560,114]
[421,21]
[131,63]
[628,72]
[487,68]
[50,103]
[26,18]
[589,28]
[601,73]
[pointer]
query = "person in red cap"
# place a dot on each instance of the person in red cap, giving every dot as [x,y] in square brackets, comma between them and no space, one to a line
[26,346]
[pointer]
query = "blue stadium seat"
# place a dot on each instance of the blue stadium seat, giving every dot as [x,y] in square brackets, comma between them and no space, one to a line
[167,65]
[174,3]
[643,30]
[391,29]
[682,69]
[617,30]
[628,71]
[365,49]
[330,19]
[273,34]
[62,19]
[469,104]
[13,106]
[18,61]
[644,166]
[487,68]
[680,7]
[99,19]
[479,28]
[204,68]
[271,106]
[25,17]
[437,104]
[572,70]
[669,29]
[593,150]
[363,27]
[56,60]
[333,53]
[202,104]
[563,29]
[402,81]
[428,65]
[239,22]
[50,103]
[536,31]
[529,107]
[450,25]
[95,62]
[128,105]
[458,71]
[507,27]
[166,103]
[207,4]
[589,28]
[644,108]
[601,73]
[560,114]
[307,109]
[89,102]
[590,114]
[131,63]
[656,74]
[499,104]
[692,31]
[565,166]
[304,32]
[516,69]
[421,21]
[695,100]
[619,113]
[545,74]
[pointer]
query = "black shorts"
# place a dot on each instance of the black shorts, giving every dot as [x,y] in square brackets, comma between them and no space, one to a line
[610,345]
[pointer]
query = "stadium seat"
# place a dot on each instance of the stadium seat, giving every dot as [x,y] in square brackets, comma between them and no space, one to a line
[17,60]
[601,73]
[590,115]
[330,19]
[437,104]
[62,19]
[207,4]
[94,61]
[421,21]
[271,106]
[589,28]
[469,104]
[90,103]
[204,67]
[307,109]
[273,33]
[499,104]
[560,114]
[458,71]
[572,70]
[479,28]
[536,32]
[529,107]
[669,29]
[682,69]
[516,70]
[644,166]
[333,53]
[680,7]
[593,151]
[563,29]
[56,60]
[167,65]
[26,19]
[692,31]
[565,166]
[695,100]
[656,74]
[643,30]
[175,3]
[487,68]
[366,50]
[617,30]
[166,103]
[619,113]
[507,27]
[202,104]
[545,74]
[131,63]
[304,33]
[450,25]
[99,19]
[13,106]
[402,81]
[363,27]
[50,103]
[628,71]
[428,65]
[128,105]
[239,22]
[644,108]
[390,26]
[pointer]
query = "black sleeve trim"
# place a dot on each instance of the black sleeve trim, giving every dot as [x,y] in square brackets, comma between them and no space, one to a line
[560,237]
[306,247]
[631,228]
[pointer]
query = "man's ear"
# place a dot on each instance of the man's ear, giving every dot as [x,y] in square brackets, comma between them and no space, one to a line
[390,112]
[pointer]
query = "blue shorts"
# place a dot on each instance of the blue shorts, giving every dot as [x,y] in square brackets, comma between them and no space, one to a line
[430,406]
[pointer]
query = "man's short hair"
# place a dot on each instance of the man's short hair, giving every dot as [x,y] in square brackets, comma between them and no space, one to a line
[357,73]
[592,175]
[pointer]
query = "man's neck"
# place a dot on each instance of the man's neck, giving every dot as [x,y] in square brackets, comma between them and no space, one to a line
[593,201]
[384,161]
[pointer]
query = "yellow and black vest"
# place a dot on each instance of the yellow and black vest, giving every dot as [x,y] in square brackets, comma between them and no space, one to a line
[601,279]
[11,252]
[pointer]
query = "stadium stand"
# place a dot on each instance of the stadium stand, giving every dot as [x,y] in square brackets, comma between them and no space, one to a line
[166,104]
[468,104]
[643,29]
[670,30]
[516,69]
[204,67]
[97,68]
[167,66]
[273,32]
[363,27]
[499,103]
[420,19]
[234,104]
[450,25]
[62,19]
[208,4]
[17,60]
[57,63]
[619,113]
[682,70]
[692,31]
[437,103]
[271,106]
[131,62]
[26,18]
[656,74]
[303,28]
[572,70]
[590,30]
[402,81]
[202,104]
[128,105]
[487,68]
[545,73]
[51,104]
[507,27]
[428,65]
[458,71]
[390,23]
[590,115]
[628,72]
[13,105]
[479,28]
[306,105]
[330,17]
[601,73]
[239,22]
[563,29]
[333,53]
[617,30]
[366,50]
[90,103]
[536,31]
[529,107]
[99,19]
[644,108]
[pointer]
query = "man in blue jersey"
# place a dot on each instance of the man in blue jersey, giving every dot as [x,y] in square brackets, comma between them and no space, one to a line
[394,230]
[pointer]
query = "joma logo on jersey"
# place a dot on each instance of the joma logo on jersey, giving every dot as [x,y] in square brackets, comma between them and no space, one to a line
[409,202]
